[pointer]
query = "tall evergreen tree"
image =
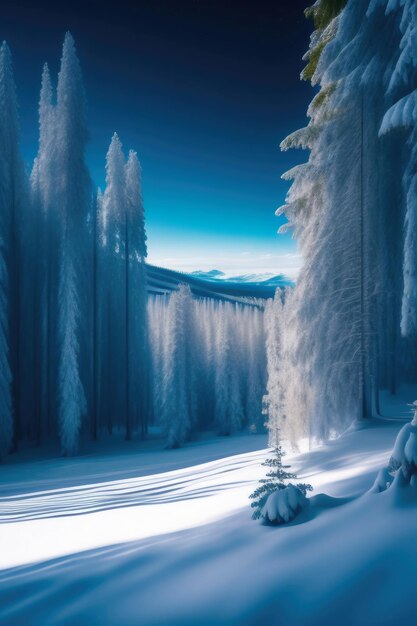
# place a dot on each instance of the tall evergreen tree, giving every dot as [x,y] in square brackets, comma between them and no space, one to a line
[274,399]
[114,220]
[73,198]
[399,123]
[178,393]
[346,306]
[13,190]
[43,260]
[137,350]
[229,413]
[96,317]
[254,366]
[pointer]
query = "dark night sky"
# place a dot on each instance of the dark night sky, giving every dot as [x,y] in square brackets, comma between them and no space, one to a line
[204,91]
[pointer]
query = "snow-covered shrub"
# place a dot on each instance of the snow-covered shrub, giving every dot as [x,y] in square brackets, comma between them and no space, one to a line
[402,466]
[284,505]
[404,455]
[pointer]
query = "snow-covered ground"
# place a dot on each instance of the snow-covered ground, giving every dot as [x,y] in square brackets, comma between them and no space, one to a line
[166,537]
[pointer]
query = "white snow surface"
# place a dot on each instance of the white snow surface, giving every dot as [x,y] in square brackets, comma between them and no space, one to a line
[164,538]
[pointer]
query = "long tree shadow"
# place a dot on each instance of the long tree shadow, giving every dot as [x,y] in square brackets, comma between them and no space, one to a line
[142,491]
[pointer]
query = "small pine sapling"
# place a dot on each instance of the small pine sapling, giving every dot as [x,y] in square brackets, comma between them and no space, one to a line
[275,480]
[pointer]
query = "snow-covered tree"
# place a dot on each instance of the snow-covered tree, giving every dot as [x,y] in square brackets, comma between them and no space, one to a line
[12,211]
[253,364]
[73,200]
[276,479]
[72,404]
[135,206]
[114,195]
[113,220]
[157,328]
[121,325]
[137,350]
[399,124]
[178,393]
[229,411]
[401,470]
[274,405]
[205,311]
[345,310]
[44,260]
[97,310]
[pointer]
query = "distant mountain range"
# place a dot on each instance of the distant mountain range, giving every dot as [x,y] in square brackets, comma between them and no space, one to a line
[215,284]
[266,279]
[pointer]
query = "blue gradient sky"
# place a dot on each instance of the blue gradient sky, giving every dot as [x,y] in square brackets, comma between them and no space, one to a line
[204,91]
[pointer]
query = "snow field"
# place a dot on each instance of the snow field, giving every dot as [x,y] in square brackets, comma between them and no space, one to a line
[180,547]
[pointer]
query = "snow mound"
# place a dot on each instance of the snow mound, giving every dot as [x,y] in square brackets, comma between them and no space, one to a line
[383,480]
[402,467]
[401,447]
[284,505]
[410,450]
[404,455]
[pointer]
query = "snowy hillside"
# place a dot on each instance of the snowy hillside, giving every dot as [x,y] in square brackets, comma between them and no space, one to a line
[215,284]
[266,278]
[96,539]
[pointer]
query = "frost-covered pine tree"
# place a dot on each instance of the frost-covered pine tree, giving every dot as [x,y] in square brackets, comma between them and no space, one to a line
[137,350]
[229,413]
[72,405]
[178,391]
[276,478]
[98,304]
[157,328]
[252,363]
[309,212]
[14,213]
[114,295]
[345,311]
[206,315]
[274,406]
[72,200]
[44,260]
[400,122]
[135,205]
[114,195]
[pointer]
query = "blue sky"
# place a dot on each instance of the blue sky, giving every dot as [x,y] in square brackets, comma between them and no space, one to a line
[204,91]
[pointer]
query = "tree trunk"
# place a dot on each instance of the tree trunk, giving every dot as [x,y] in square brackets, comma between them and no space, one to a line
[365,397]
[127,312]
[95,329]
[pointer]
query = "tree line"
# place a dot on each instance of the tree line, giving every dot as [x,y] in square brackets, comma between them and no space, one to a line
[84,352]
